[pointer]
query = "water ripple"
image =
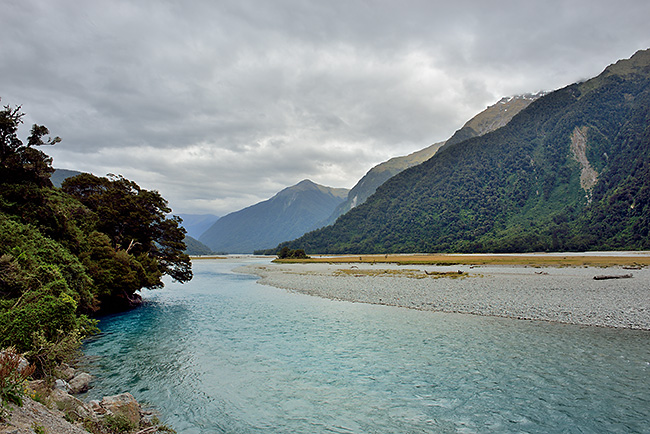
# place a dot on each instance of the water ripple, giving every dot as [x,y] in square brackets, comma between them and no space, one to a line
[225,355]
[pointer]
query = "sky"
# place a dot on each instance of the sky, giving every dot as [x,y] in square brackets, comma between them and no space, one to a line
[219,105]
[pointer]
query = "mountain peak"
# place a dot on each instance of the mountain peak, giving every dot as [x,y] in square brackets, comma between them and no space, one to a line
[639,63]
[287,215]
[309,185]
[500,113]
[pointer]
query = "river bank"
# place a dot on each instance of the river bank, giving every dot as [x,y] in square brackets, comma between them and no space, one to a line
[562,294]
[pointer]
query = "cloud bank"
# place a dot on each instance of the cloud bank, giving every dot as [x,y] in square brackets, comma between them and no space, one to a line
[219,105]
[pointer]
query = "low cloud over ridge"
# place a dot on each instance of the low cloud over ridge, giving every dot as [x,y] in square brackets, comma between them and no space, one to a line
[219,105]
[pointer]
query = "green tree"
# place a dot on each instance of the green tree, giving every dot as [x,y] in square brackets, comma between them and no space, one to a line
[135,221]
[19,162]
[65,253]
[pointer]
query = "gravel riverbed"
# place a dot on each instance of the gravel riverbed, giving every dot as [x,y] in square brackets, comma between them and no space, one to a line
[567,295]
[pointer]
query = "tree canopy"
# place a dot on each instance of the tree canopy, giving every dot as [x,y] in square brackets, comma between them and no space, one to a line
[69,253]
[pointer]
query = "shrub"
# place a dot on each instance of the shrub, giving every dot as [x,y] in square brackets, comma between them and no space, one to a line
[13,373]
[119,423]
[286,253]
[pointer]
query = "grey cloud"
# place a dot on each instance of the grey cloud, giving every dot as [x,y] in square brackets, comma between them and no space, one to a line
[221,104]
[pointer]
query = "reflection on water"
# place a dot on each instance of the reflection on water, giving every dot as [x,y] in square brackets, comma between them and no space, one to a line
[224,354]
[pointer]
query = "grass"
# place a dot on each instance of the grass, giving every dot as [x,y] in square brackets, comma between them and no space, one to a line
[532,260]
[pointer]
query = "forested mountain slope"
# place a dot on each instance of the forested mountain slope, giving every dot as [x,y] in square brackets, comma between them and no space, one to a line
[289,214]
[570,172]
[493,117]
[196,248]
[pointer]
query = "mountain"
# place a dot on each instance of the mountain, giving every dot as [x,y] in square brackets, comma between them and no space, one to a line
[289,214]
[377,176]
[195,247]
[569,172]
[490,119]
[493,117]
[60,175]
[196,224]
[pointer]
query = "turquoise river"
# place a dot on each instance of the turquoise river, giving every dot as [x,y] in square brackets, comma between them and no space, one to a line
[223,354]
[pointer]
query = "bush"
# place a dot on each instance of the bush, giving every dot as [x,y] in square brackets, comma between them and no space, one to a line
[286,253]
[119,423]
[13,373]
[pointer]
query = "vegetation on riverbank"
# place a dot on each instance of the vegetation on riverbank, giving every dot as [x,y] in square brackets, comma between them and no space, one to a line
[67,254]
[531,260]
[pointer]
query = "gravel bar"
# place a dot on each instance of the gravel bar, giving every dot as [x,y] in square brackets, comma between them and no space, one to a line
[567,295]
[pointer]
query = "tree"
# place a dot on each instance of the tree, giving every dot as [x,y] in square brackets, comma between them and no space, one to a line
[286,253]
[21,163]
[135,221]
[67,253]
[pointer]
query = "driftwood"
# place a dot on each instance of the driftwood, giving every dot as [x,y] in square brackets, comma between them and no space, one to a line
[438,273]
[605,277]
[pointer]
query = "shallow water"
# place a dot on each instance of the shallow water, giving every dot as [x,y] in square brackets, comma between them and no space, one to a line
[223,354]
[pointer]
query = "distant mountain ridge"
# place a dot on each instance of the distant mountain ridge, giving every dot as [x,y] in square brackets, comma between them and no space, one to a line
[490,119]
[289,214]
[61,175]
[197,224]
[570,172]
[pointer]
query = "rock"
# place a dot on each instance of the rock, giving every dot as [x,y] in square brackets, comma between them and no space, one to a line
[72,406]
[124,404]
[39,387]
[66,372]
[80,383]
[23,418]
[63,385]
[97,407]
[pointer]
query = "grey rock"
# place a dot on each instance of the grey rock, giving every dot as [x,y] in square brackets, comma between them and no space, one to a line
[80,383]
[63,385]
[66,372]
[124,404]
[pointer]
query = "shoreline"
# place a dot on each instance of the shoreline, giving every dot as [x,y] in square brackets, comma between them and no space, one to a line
[561,294]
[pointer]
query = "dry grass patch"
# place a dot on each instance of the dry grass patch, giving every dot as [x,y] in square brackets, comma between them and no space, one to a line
[532,260]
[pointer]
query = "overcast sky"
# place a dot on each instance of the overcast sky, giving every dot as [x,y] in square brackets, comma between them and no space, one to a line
[220,104]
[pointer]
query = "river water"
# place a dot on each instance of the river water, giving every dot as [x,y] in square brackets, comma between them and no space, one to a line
[223,354]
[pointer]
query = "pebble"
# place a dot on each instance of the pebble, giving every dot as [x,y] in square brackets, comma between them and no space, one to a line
[567,295]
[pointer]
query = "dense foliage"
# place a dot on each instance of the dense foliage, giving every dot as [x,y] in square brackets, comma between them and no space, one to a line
[518,188]
[68,253]
[287,253]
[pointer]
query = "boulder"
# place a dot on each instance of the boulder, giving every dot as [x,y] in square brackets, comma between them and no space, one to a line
[124,404]
[71,406]
[80,383]
[63,385]
[65,372]
[97,407]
